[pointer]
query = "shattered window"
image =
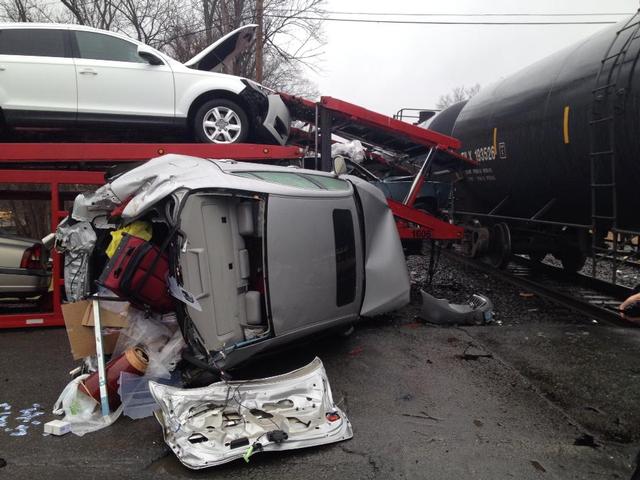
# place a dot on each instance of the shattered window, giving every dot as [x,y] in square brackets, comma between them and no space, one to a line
[292,179]
[345,257]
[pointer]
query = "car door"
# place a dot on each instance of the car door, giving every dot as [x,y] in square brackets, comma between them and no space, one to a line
[115,84]
[37,76]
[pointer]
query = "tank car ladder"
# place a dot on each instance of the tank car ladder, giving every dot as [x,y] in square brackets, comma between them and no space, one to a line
[608,102]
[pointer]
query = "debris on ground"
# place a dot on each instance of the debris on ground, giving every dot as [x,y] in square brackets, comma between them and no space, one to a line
[475,353]
[477,310]
[20,424]
[57,427]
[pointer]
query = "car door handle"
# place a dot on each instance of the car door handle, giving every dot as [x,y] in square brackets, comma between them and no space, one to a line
[88,71]
[2,68]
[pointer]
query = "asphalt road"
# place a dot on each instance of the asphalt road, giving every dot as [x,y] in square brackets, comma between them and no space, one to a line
[419,409]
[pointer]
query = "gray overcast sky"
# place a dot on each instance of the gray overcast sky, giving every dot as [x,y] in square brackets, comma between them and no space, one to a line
[388,66]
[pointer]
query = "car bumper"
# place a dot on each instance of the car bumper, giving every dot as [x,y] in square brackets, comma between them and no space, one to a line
[272,119]
[22,282]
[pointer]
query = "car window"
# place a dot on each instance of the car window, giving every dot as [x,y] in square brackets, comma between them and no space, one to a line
[345,257]
[96,46]
[328,183]
[38,42]
[299,180]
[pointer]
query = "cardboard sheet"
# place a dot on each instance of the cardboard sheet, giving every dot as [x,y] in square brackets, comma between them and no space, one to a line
[107,318]
[81,338]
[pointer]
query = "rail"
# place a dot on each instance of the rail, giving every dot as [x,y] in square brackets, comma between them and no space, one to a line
[596,299]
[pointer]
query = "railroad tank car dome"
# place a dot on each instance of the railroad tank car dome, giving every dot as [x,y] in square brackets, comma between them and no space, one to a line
[444,121]
[535,134]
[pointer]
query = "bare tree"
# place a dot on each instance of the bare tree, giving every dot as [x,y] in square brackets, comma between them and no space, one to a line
[102,14]
[151,21]
[291,42]
[458,94]
[25,11]
[292,37]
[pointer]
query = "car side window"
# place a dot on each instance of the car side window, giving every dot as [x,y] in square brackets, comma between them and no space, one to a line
[345,243]
[37,42]
[96,46]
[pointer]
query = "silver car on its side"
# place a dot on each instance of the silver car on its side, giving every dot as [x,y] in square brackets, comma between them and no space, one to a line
[23,271]
[271,254]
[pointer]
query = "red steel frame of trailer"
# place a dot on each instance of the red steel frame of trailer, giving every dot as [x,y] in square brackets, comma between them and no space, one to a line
[84,159]
[333,116]
[79,155]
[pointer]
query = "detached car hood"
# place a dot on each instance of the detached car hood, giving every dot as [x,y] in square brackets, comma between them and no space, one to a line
[225,50]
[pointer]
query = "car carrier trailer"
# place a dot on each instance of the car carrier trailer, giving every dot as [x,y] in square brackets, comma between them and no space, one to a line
[63,164]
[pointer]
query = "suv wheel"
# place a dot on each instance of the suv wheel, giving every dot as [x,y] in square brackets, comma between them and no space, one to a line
[220,121]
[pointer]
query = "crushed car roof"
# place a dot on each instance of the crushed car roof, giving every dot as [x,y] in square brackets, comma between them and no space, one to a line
[160,177]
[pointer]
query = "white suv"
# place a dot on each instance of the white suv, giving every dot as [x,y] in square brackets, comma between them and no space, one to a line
[55,75]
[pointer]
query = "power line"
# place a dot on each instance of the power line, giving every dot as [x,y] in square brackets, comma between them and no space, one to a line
[404,14]
[434,22]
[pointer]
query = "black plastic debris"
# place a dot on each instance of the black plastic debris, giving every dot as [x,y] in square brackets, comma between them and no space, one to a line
[477,310]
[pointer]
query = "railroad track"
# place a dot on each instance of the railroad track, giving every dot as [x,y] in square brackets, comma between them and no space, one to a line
[594,298]
[631,261]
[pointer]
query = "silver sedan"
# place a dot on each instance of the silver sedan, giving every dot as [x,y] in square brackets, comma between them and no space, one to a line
[23,271]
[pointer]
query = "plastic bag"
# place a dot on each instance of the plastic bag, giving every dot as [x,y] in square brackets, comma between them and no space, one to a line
[142,330]
[80,410]
[95,422]
[164,360]
[75,405]
[353,150]
[138,229]
[160,337]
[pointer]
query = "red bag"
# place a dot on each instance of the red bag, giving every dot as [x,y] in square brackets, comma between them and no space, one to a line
[138,271]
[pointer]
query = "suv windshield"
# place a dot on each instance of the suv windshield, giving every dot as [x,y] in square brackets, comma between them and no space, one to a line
[298,180]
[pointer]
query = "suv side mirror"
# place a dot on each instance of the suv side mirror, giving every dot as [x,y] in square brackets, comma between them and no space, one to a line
[339,166]
[149,55]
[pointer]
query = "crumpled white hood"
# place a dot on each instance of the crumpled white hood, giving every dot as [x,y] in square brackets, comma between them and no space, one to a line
[161,176]
[228,420]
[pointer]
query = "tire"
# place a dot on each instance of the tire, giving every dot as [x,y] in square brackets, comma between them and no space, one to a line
[233,127]
[500,246]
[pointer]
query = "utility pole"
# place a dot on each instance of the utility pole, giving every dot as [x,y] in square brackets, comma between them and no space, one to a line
[259,39]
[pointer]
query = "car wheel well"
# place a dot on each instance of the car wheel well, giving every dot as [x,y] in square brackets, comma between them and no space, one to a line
[212,94]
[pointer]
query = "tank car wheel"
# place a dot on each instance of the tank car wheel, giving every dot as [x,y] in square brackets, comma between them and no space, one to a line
[500,245]
[572,260]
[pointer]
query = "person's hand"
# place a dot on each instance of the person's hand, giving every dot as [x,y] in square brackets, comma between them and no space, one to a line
[626,303]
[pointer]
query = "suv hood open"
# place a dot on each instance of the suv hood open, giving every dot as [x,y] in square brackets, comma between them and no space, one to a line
[225,50]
